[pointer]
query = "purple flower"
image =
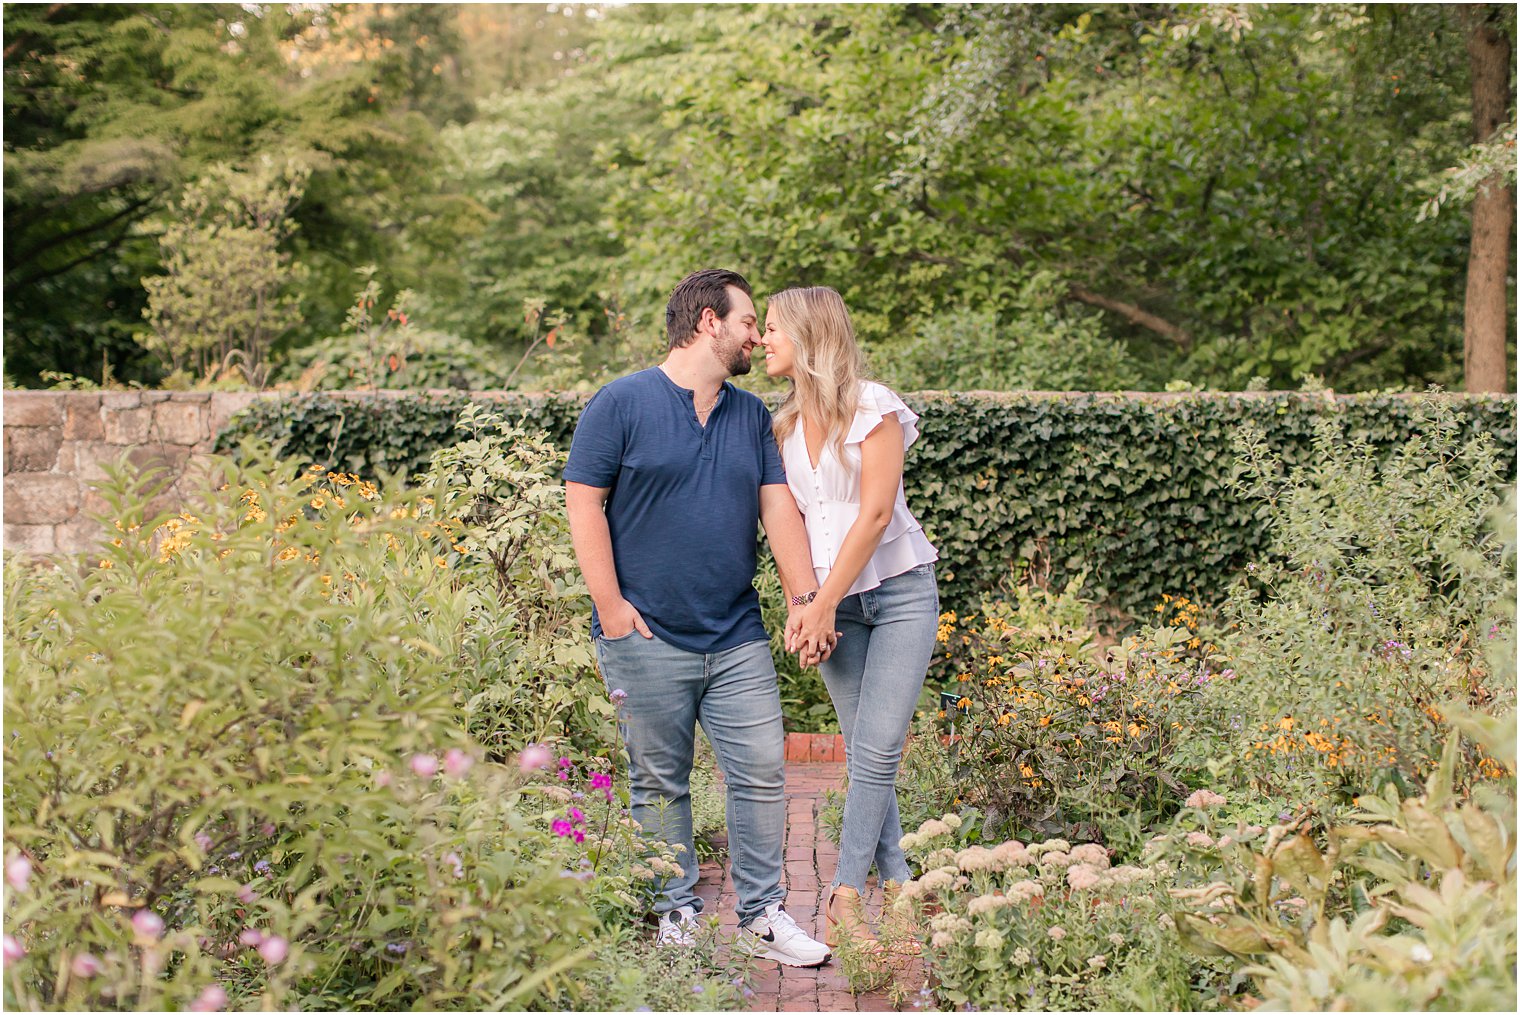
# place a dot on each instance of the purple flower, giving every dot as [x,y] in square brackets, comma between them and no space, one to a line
[561,827]
[600,780]
[578,835]
[618,696]
[262,867]
[236,854]
[399,947]
[203,841]
[576,816]
[697,988]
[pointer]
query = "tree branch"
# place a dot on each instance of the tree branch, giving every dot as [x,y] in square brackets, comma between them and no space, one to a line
[1133,314]
[89,255]
[129,212]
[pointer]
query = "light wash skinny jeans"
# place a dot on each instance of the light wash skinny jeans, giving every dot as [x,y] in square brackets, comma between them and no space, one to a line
[734,695]
[874,677]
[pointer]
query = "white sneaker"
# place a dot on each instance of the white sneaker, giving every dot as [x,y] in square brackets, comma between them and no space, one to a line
[775,935]
[678,928]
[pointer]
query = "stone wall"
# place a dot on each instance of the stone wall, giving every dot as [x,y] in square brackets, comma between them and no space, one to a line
[56,443]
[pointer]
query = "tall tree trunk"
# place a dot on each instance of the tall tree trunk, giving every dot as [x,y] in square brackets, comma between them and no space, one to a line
[1486,319]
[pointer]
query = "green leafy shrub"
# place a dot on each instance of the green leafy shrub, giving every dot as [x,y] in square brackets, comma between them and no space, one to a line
[1036,342]
[528,672]
[1408,906]
[389,351]
[1053,735]
[1132,489]
[419,361]
[1372,612]
[237,774]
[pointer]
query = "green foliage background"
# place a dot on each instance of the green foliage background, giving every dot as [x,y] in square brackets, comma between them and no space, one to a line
[1095,197]
[1132,488]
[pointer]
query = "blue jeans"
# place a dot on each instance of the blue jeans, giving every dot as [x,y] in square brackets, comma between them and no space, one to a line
[734,695]
[874,677]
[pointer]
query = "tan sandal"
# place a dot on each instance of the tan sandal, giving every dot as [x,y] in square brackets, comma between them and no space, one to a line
[851,921]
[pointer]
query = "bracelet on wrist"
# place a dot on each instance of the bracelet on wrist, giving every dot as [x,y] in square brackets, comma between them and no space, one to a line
[805,598]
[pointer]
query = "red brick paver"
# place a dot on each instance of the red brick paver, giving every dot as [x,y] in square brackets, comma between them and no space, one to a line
[810,860]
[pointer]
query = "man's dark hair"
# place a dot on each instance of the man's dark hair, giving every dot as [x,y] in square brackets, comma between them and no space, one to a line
[695,292]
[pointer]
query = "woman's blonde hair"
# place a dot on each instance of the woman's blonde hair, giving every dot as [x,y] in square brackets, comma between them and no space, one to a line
[827,364]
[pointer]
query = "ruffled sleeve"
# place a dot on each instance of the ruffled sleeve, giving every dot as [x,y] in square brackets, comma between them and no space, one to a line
[877,401]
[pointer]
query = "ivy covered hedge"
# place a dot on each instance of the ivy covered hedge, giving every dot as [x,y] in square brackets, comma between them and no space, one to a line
[1133,487]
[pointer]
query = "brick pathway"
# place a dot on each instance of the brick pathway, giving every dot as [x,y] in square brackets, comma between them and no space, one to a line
[810,860]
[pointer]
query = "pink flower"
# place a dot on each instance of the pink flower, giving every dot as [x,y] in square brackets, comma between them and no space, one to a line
[424,766]
[601,780]
[455,862]
[86,965]
[1202,839]
[147,925]
[18,871]
[1204,798]
[534,757]
[203,841]
[273,949]
[213,998]
[266,828]
[561,827]
[383,778]
[578,835]
[1082,877]
[13,950]
[456,763]
[251,938]
[246,895]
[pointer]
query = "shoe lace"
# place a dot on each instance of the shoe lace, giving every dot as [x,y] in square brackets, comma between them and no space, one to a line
[783,926]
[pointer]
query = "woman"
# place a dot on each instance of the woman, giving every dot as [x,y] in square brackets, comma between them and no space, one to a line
[842,441]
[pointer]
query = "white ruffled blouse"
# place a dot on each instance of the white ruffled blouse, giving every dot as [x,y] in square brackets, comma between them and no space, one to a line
[829,496]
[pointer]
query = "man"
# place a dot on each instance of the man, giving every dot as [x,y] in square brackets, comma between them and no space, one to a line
[670,470]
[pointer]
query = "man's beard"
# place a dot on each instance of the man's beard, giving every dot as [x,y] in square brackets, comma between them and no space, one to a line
[732,354]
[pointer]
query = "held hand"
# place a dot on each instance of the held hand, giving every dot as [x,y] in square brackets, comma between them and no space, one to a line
[815,635]
[811,655]
[621,620]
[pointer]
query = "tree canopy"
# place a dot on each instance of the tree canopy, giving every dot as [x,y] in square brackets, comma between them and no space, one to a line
[1031,196]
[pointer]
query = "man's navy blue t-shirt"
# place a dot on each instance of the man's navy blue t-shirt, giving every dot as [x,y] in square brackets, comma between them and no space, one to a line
[683,504]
